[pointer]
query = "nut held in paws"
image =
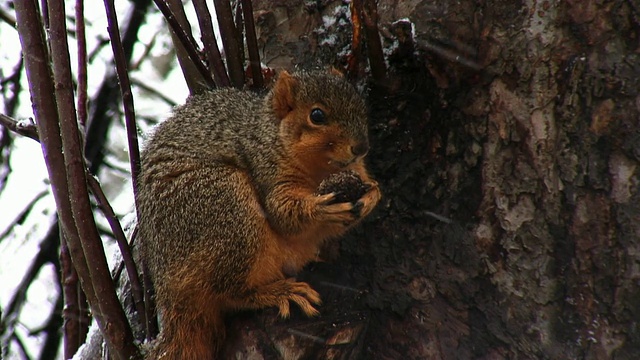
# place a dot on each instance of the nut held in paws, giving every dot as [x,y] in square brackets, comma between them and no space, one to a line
[347,186]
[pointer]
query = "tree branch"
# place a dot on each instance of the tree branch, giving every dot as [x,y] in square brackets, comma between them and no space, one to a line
[81,44]
[107,309]
[116,330]
[121,239]
[116,228]
[127,97]
[7,18]
[75,314]
[374,46]
[154,91]
[12,310]
[106,99]
[210,44]
[252,44]
[185,41]
[355,59]
[27,129]
[230,40]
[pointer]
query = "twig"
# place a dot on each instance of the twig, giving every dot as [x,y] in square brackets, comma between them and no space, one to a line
[229,35]
[7,18]
[374,46]
[190,72]
[121,239]
[11,103]
[210,44]
[135,65]
[6,139]
[239,26]
[116,331]
[27,209]
[100,117]
[152,319]
[23,348]
[24,129]
[51,329]
[252,45]
[355,58]
[102,42]
[154,91]
[81,43]
[188,45]
[127,97]
[74,314]
[17,301]
[70,277]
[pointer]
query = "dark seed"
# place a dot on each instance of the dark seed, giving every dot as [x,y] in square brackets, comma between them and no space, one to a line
[347,186]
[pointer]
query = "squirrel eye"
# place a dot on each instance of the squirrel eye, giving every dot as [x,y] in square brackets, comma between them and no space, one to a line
[317,117]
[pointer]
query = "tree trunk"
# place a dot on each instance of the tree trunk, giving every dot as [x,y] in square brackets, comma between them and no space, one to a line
[506,140]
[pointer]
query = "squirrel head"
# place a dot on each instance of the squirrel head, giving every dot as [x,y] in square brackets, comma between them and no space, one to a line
[322,120]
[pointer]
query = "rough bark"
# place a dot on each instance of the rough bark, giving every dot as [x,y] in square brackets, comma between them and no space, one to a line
[506,142]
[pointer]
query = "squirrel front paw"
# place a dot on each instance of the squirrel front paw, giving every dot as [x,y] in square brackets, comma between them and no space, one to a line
[327,210]
[368,201]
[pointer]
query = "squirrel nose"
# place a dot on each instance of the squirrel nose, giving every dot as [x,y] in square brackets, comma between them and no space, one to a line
[360,148]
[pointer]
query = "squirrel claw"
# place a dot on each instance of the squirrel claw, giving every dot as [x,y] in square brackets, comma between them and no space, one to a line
[369,200]
[357,208]
[303,295]
[326,198]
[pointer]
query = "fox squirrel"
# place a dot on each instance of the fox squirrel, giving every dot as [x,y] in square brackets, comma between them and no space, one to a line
[228,203]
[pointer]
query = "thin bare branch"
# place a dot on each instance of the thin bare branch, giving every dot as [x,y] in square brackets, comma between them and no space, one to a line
[75,313]
[154,91]
[18,300]
[51,331]
[21,346]
[118,331]
[70,276]
[6,139]
[230,40]
[81,44]
[355,60]
[186,41]
[4,16]
[42,91]
[107,98]
[210,44]
[135,64]
[23,128]
[13,85]
[23,213]
[125,89]
[239,23]
[252,44]
[121,239]
[374,45]
[151,316]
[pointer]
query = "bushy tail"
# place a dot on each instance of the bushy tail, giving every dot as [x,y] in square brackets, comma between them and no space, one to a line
[189,334]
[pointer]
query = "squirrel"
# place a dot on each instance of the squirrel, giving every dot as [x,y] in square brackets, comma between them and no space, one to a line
[227,202]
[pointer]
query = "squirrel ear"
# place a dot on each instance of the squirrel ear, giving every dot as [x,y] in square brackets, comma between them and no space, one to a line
[283,99]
